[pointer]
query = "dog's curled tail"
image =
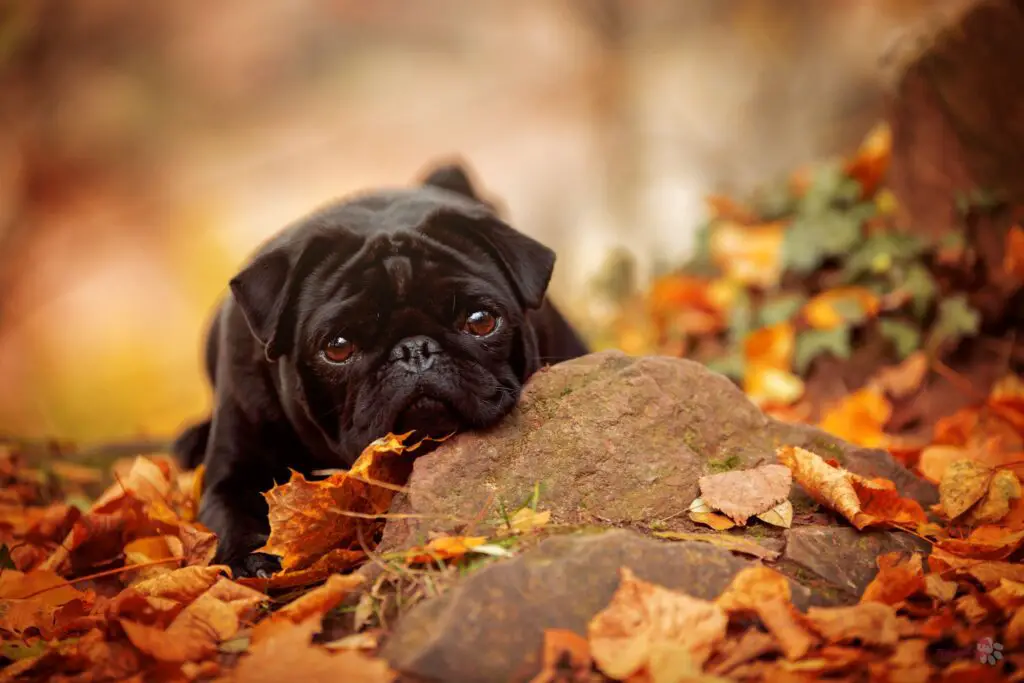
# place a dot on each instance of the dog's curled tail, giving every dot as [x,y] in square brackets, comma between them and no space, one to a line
[190,446]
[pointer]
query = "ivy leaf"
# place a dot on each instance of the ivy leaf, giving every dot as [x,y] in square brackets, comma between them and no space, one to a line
[922,288]
[813,343]
[829,187]
[955,321]
[879,253]
[904,337]
[812,239]
[774,201]
[779,309]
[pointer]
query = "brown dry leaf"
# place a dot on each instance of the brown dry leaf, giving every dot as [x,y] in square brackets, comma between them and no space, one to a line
[984,543]
[734,652]
[859,418]
[566,656]
[181,585]
[988,572]
[824,311]
[900,381]
[781,515]
[828,485]
[939,588]
[897,579]
[869,622]
[290,656]
[641,616]
[318,601]
[752,586]
[31,600]
[333,562]
[1003,489]
[963,485]
[766,592]
[443,548]
[737,544]
[147,480]
[307,518]
[750,254]
[742,494]
[197,546]
[1013,258]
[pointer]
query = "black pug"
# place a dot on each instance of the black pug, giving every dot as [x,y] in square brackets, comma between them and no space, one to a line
[395,311]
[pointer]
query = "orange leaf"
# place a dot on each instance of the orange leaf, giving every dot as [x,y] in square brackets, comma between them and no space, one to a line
[1013,259]
[752,586]
[290,656]
[984,543]
[181,585]
[31,600]
[768,378]
[751,255]
[788,626]
[443,548]
[872,623]
[840,306]
[332,562]
[644,619]
[871,162]
[566,655]
[318,601]
[307,518]
[721,207]
[897,579]
[987,572]
[859,418]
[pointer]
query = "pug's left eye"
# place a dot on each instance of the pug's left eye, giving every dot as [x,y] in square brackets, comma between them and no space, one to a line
[338,350]
[480,323]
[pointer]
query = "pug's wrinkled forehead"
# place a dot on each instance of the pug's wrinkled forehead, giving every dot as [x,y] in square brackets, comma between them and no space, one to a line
[377,240]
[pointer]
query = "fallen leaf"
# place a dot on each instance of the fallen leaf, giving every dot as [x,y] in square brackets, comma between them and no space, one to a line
[31,600]
[869,622]
[1003,489]
[963,485]
[897,579]
[985,542]
[307,518]
[642,616]
[722,207]
[751,645]
[900,381]
[741,494]
[828,485]
[1009,595]
[868,167]
[1013,256]
[939,588]
[988,572]
[316,602]
[528,519]
[841,306]
[781,515]
[566,656]
[737,544]
[181,585]
[859,418]
[935,461]
[788,626]
[290,655]
[751,254]
[712,519]
[443,548]
[332,562]
[751,586]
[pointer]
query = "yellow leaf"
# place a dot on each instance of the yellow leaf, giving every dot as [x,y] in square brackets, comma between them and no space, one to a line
[527,519]
[443,548]
[751,255]
[963,485]
[780,515]
[830,309]
[859,418]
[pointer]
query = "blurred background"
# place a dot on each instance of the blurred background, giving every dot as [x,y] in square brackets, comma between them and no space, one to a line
[147,149]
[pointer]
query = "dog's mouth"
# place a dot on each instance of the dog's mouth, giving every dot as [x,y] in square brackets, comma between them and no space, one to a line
[427,416]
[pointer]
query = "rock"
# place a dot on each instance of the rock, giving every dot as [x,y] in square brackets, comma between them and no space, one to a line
[613,440]
[844,557]
[490,626]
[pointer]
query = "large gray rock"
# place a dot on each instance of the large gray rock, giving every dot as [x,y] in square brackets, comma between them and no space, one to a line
[490,626]
[614,440]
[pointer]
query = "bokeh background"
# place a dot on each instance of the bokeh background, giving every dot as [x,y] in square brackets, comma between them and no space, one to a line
[147,148]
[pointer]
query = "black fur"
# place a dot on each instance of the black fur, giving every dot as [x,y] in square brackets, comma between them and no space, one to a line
[396,272]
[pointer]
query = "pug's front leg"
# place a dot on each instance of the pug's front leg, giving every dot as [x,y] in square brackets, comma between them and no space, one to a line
[239,518]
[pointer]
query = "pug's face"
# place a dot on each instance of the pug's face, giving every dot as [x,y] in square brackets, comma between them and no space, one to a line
[399,311]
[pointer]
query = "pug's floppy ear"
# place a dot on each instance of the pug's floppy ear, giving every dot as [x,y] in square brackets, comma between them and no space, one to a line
[266,288]
[452,177]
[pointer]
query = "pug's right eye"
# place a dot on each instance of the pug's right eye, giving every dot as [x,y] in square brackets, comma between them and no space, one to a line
[338,350]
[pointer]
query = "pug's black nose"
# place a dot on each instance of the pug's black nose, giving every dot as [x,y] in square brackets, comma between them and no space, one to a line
[415,354]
